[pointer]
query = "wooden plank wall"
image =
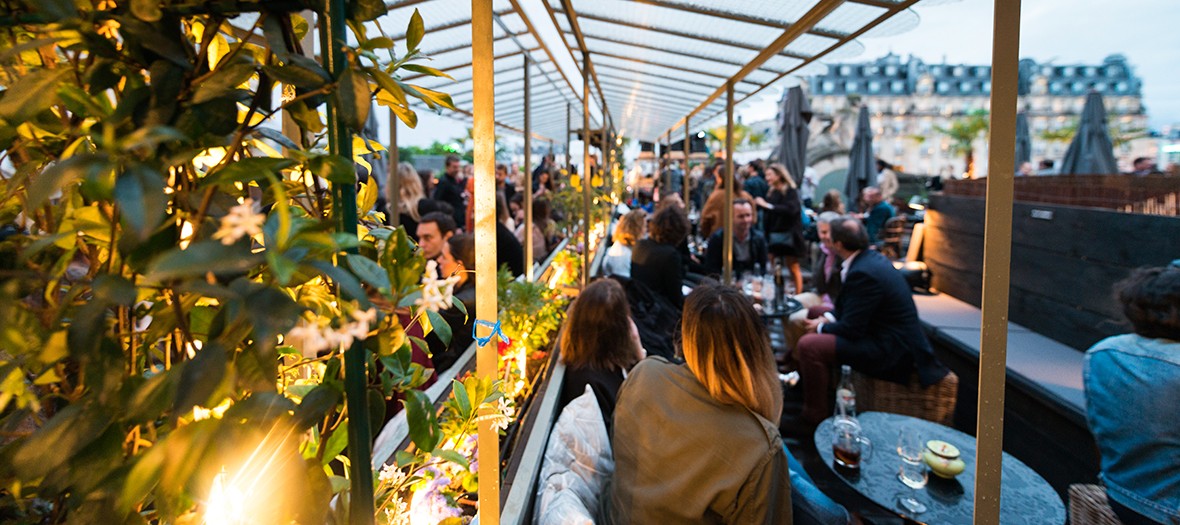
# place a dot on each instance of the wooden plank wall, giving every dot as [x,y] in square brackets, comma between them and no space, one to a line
[1064,261]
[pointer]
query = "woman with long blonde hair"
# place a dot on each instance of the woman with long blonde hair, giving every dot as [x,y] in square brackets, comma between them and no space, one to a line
[408,201]
[699,442]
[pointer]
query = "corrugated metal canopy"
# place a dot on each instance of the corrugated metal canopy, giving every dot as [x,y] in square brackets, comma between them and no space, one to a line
[653,63]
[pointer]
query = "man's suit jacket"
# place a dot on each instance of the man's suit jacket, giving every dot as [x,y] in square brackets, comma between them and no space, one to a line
[877,329]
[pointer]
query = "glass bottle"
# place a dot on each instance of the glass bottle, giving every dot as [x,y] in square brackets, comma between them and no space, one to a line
[845,394]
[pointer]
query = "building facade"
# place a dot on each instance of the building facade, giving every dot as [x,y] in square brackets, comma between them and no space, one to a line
[910,99]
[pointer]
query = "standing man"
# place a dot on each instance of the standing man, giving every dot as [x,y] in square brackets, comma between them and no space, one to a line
[450,190]
[1144,166]
[876,328]
[878,212]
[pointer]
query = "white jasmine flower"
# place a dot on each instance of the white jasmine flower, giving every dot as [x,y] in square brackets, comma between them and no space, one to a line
[436,292]
[239,222]
[308,338]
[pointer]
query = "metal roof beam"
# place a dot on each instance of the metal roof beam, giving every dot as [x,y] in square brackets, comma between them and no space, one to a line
[691,36]
[609,67]
[536,36]
[461,66]
[893,10]
[806,22]
[500,22]
[737,17]
[572,16]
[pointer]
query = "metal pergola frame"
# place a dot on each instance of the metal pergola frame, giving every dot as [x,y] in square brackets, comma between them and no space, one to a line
[485,19]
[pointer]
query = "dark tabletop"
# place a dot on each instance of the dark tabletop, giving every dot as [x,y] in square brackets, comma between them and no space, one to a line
[1025,497]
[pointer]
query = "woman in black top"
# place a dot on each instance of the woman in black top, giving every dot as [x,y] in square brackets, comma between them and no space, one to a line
[599,345]
[656,260]
[784,221]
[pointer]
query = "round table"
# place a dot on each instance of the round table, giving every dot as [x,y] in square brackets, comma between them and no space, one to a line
[1025,497]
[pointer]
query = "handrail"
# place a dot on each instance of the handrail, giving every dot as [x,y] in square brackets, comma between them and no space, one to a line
[395,434]
[517,505]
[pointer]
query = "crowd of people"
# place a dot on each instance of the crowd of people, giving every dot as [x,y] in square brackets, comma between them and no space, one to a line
[659,346]
[437,212]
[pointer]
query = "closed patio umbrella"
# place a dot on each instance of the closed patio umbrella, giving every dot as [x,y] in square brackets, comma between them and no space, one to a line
[862,168]
[794,117]
[1023,141]
[1091,151]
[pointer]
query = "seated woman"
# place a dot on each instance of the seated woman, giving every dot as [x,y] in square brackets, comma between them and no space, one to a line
[1132,383]
[458,258]
[699,442]
[630,229]
[598,346]
[656,260]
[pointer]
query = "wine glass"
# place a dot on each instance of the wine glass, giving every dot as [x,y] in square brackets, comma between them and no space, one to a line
[913,470]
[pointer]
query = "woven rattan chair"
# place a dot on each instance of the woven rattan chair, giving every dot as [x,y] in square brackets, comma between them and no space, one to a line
[934,403]
[1088,506]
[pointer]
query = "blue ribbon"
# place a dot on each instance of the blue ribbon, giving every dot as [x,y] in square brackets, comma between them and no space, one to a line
[495,327]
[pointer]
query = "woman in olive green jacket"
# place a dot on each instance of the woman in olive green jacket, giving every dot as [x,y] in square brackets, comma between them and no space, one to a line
[699,442]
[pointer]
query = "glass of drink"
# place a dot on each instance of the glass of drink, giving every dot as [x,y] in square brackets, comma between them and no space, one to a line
[913,472]
[849,445]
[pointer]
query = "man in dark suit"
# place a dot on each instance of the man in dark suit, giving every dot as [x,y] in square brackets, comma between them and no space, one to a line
[749,246]
[876,328]
[450,190]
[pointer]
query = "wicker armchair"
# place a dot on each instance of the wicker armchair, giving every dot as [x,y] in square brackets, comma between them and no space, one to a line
[1088,506]
[934,403]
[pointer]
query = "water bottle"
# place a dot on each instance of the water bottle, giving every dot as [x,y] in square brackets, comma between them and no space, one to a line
[845,395]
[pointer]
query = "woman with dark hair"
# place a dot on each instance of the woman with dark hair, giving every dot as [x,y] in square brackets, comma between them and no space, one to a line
[712,214]
[656,261]
[833,202]
[1132,390]
[541,226]
[699,442]
[457,259]
[599,345]
[784,221]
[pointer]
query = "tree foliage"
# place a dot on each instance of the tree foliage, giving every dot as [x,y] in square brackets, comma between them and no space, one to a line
[175,300]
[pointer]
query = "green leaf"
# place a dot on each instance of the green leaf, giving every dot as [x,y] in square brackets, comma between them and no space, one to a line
[299,71]
[415,31]
[334,168]
[223,81]
[146,10]
[151,136]
[66,433]
[315,405]
[369,272]
[336,444]
[201,258]
[387,83]
[247,170]
[423,426]
[462,401]
[31,94]
[458,305]
[276,136]
[439,326]
[114,289]
[348,284]
[381,42]
[376,411]
[200,378]
[61,174]
[366,10]
[307,117]
[426,70]
[142,202]
[351,98]
[433,99]
[453,457]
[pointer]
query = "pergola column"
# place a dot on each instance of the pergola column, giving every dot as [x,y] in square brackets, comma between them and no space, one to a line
[997,261]
[484,136]
[727,220]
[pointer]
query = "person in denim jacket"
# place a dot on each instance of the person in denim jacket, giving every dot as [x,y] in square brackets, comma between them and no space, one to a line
[1132,391]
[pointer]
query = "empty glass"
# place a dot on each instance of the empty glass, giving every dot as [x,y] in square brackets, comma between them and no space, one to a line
[913,469]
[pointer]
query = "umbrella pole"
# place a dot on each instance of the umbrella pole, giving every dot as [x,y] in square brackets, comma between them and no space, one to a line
[528,173]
